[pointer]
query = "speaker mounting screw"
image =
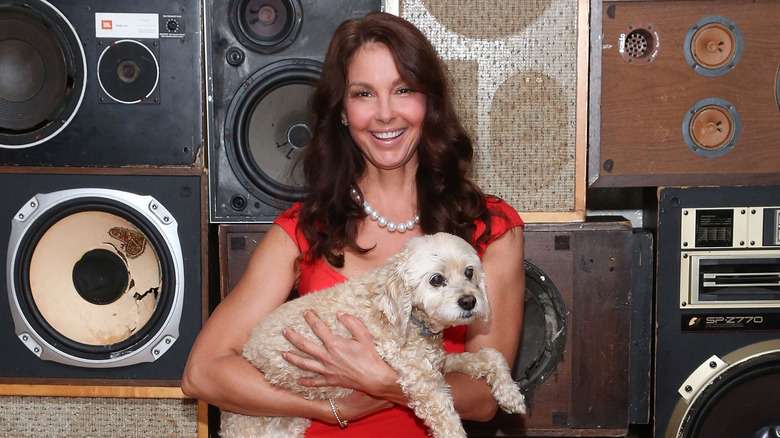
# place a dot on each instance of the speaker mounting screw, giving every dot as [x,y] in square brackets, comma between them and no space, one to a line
[688,388]
[713,364]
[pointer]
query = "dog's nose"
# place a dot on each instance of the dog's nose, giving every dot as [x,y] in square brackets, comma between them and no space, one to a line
[467,302]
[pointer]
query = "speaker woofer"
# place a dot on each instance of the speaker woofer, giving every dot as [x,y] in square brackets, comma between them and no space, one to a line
[267,127]
[267,26]
[42,73]
[544,332]
[113,259]
[713,46]
[739,398]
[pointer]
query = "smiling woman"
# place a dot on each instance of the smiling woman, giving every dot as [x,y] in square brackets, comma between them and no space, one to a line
[385,138]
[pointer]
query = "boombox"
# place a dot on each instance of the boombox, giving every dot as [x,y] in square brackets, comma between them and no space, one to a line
[718,311]
[101,83]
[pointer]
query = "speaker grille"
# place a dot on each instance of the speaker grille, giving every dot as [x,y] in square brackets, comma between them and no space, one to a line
[61,417]
[514,72]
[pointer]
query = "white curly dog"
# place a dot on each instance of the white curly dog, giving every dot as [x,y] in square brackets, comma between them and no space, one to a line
[435,282]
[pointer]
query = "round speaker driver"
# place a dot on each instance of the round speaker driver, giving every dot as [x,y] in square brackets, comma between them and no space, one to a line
[128,71]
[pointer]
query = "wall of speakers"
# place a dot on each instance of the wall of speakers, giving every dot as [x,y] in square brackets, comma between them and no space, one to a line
[101,83]
[684,93]
[263,61]
[717,370]
[519,72]
[103,275]
[573,360]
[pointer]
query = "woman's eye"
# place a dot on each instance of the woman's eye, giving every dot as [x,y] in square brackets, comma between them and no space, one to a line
[469,272]
[437,280]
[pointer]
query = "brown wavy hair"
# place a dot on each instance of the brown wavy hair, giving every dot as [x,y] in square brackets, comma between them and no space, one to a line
[332,163]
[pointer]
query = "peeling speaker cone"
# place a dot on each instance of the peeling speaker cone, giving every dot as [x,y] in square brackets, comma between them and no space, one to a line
[267,25]
[78,265]
[713,46]
[712,127]
[42,70]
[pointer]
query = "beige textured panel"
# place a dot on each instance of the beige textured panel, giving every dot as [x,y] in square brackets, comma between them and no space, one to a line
[487,19]
[514,65]
[67,417]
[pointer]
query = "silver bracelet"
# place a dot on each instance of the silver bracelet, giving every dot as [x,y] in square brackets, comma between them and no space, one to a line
[333,407]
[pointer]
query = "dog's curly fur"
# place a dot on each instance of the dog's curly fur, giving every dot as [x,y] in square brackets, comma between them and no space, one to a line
[437,280]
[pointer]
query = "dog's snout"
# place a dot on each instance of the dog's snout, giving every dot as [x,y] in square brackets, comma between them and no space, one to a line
[467,302]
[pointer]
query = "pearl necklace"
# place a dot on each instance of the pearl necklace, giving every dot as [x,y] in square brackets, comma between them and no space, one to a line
[381,220]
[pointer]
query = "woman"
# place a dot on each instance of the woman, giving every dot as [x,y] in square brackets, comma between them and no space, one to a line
[386,139]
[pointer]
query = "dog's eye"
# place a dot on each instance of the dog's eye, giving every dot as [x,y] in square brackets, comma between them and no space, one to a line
[437,280]
[469,272]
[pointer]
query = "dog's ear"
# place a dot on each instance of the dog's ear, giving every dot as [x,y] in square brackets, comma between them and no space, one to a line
[395,301]
[483,287]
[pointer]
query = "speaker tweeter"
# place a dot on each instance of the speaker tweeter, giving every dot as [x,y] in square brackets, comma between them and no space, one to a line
[713,46]
[711,127]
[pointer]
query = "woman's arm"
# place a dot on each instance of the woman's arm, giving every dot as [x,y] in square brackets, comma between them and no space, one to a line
[216,372]
[503,262]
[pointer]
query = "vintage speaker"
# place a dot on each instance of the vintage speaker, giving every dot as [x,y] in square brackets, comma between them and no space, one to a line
[573,361]
[264,58]
[684,93]
[104,276]
[717,370]
[519,73]
[101,83]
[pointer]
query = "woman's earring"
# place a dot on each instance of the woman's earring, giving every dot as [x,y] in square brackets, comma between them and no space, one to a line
[344,122]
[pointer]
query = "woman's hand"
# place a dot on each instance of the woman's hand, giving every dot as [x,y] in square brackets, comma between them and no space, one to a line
[349,363]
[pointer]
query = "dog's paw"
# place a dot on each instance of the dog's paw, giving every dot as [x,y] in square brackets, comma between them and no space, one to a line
[512,401]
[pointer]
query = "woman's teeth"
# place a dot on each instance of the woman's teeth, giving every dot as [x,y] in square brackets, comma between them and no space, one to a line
[388,135]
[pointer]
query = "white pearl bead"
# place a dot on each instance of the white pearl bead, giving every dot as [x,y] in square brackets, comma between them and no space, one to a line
[367,208]
[401,227]
[391,226]
[410,224]
[374,215]
[382,221]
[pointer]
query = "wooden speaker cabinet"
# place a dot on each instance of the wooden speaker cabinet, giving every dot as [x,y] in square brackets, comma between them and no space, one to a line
[684,93]
[573,361]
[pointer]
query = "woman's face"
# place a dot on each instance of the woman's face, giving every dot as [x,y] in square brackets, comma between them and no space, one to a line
[385,116]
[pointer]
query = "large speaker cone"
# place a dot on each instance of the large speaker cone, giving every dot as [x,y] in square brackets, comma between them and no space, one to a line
[740,398]
[544,332]
[95,277]
[267,127]
[267,26]
[42,73]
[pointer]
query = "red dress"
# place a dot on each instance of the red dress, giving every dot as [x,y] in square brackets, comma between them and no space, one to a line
[398,421]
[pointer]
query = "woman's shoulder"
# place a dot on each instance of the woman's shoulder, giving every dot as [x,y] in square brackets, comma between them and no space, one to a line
[503,217]
[288,220]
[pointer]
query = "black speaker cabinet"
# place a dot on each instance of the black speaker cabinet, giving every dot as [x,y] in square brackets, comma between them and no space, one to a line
[684,93]
[101,83]
[718,312]
[573,360]
[103,275]
[264,59]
